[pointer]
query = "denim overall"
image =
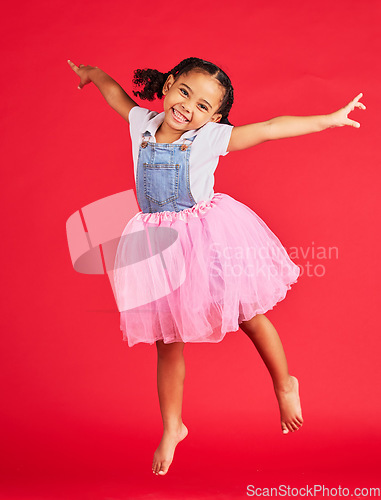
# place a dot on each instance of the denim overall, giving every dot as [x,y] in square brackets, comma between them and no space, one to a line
[162,176]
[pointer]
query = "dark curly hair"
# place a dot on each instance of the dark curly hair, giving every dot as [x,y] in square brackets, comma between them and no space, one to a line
[152,82]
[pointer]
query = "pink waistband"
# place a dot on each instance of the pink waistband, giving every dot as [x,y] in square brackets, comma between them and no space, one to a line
[198,210]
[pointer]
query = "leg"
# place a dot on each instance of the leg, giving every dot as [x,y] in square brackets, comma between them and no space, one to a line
[262,333]
[170,385]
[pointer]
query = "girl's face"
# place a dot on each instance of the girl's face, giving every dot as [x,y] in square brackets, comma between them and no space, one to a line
[192,100]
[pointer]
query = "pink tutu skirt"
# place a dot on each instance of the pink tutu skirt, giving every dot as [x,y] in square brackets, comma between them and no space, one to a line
[194,275]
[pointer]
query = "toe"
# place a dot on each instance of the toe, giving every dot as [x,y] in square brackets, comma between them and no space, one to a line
[155,467]
[164,468]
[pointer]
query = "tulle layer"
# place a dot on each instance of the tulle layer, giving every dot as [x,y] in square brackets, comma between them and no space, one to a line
[194,275]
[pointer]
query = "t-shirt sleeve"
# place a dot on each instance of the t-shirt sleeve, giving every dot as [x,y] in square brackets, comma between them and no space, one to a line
[219,137]
[138,118]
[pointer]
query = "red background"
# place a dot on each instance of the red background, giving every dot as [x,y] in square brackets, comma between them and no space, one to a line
[79,410]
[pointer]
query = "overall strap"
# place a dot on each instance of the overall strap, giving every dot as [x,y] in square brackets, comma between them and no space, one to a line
[147,137]
[187,142]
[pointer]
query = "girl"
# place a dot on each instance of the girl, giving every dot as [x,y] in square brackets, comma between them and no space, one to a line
[193,265]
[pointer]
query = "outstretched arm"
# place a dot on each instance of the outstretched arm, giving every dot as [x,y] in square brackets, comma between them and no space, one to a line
[115,96]
[246,136]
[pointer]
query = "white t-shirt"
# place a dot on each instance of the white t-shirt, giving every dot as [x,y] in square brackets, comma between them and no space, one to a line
[211,142]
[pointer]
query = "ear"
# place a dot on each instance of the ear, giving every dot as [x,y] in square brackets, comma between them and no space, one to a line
[216,117]
[168,84]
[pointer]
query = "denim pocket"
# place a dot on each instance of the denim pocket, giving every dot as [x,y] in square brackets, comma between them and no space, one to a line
[161,182]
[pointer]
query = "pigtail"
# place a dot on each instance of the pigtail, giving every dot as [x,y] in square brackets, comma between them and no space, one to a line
[151,81]
[226,106]
[225,121]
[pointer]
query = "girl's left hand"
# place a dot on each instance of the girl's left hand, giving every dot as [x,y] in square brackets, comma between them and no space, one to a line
[340,117]
[83,72]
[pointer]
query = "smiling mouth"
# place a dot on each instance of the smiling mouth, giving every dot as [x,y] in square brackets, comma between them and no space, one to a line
[178,116]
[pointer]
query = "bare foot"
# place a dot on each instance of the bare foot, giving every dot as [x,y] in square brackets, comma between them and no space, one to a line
[289,405]
[163,455]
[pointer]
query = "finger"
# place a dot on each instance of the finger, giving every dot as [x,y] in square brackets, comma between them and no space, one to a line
[358,97]
[360,105]
[353,123]
[73,66]
[351,105]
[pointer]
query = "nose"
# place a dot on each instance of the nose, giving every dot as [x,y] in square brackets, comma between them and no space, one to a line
[185,107]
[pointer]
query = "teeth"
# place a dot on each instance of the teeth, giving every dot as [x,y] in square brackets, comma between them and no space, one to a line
[179,115]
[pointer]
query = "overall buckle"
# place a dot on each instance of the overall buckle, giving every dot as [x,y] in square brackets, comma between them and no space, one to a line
[145,140]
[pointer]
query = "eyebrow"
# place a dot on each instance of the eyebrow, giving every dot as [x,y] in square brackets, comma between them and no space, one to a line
[185,85]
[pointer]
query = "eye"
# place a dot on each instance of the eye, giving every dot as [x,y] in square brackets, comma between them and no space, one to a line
[203,107]
[184,91]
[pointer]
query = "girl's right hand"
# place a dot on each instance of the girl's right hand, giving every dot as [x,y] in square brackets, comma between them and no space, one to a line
[83,72]
[340,117]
